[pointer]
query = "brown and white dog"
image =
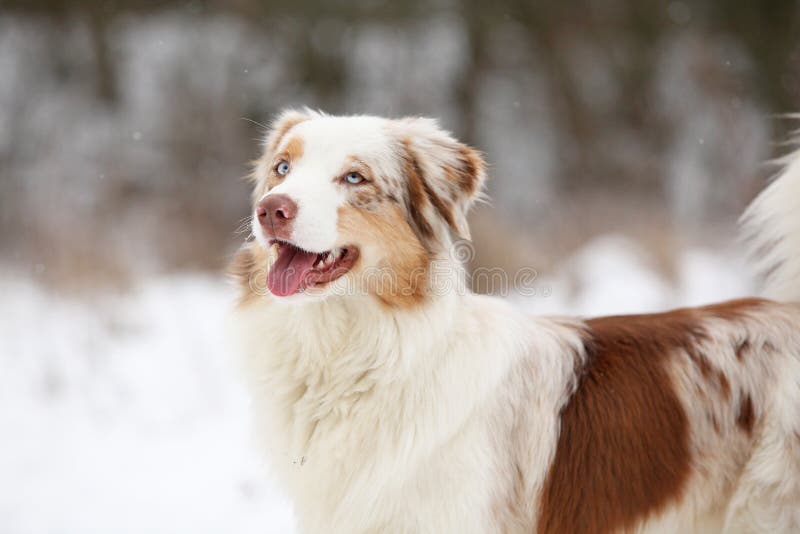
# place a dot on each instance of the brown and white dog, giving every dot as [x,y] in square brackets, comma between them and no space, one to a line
[390,399]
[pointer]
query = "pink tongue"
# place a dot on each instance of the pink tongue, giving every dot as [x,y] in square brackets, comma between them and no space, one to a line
[289,270]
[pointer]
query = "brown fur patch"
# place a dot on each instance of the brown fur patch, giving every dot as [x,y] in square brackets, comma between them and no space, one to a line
[290,153]
[623,452]
[248,272]
[356,164]
[366,195]
[732,310]
[417,201]
[724,385]
[445,172]
[746,417]
[366,198]
[468,171]
[742,348]
[294,148]
[263,175]
[461,182]
[473,169]
[701,361]
[281,127]
[444,208]
[400,278]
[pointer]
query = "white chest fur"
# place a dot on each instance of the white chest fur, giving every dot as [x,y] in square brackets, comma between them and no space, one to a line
[372,417]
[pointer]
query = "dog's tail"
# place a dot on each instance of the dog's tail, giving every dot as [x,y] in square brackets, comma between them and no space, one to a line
[771,227]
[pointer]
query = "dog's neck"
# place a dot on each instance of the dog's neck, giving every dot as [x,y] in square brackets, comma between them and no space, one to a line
[318,360]
[346,326]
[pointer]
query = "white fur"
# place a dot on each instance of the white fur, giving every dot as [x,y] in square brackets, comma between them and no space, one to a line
[421,419]
[768,495]
[734,470]
[375,418]
[772,225]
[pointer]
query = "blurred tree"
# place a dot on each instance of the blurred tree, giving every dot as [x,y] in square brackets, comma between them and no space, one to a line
[617,98]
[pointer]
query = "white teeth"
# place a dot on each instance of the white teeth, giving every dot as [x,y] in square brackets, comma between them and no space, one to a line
[329,258]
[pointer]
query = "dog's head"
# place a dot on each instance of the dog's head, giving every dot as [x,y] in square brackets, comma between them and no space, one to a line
[357,204]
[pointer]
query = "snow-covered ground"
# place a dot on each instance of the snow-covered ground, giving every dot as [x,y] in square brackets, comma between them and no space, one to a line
[124,414]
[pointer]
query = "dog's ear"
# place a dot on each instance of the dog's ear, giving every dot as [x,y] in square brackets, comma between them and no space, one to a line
[444,177]
[278,129]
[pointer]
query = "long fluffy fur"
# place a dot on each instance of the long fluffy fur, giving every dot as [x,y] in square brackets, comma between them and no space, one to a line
[355,403]
[450,412]
[772,228]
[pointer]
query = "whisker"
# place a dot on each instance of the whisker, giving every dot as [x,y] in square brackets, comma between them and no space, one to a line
[264,127]
[245,225]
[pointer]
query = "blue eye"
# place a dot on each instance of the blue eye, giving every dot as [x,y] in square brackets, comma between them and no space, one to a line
[282,168]
[354,178]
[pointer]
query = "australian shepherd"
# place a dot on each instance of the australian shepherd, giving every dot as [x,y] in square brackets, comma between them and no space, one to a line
[390,399]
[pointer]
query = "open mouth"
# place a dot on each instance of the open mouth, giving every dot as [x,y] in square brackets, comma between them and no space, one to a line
[296,270]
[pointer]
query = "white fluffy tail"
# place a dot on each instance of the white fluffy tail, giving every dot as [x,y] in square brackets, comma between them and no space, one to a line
[771,227]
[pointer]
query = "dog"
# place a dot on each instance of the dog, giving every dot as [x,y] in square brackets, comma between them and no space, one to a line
[390,399]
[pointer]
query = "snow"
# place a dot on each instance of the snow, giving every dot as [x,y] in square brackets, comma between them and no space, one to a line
[123,413]
[614,275]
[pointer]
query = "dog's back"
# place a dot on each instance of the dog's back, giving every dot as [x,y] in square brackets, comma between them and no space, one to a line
[684,421]
[692,418]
